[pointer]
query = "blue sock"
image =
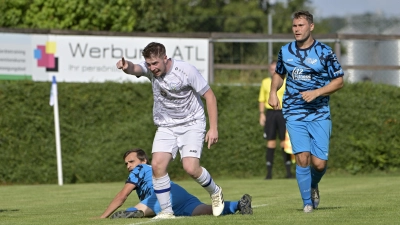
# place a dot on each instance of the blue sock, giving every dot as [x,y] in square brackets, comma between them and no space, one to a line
[316,177]
[131,209]
[230,208]
[303,176]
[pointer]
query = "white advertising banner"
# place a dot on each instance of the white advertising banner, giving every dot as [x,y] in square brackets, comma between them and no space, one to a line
[15,56]
[74,58]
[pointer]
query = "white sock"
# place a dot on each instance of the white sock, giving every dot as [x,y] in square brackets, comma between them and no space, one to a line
[162,188]
[206,181]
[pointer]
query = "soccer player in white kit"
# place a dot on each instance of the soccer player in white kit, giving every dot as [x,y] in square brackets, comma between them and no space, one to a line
[178,113]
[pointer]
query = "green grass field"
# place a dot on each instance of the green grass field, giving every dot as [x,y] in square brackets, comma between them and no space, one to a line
[344,200]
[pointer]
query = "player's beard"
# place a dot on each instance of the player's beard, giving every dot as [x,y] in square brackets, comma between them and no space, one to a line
[304,39]
[158,73]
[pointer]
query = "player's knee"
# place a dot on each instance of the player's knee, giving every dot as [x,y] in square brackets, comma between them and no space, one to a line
[319,167]
[158,170]
[190,171]
[271,144]
[193,171]
[303,159]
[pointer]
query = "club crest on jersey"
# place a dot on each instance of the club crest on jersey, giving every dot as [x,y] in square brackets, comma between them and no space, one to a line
[311,61]
[297,74]
[174,86]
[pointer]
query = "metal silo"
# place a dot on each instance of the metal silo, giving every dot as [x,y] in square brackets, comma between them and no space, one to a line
[357,53]
[389,55]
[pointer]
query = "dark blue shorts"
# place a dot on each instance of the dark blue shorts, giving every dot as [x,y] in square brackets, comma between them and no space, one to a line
[183,203]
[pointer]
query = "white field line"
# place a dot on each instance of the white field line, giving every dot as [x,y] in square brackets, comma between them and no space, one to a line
[179,217]
[257,206]
[155,221]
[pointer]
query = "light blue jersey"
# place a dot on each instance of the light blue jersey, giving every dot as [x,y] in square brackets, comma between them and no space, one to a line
[141,177]
[307,69]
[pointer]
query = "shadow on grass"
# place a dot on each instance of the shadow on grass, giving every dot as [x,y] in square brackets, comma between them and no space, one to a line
[9,210]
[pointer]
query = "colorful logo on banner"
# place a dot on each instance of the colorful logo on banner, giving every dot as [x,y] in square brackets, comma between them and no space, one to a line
[44,54]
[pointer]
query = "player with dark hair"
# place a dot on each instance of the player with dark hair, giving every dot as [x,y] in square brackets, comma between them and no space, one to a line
[313,73]
[178,113]
[183,203]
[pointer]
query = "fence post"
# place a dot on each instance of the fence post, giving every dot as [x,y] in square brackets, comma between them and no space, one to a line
[210,61]
[337,49]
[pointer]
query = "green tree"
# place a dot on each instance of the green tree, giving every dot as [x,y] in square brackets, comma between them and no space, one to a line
[112,15]
[12,12]
[169,16]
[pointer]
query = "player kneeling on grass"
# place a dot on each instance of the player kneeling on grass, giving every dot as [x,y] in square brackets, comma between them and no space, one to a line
[183,203]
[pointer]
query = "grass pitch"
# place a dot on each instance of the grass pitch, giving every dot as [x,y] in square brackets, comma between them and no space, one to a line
[344,200]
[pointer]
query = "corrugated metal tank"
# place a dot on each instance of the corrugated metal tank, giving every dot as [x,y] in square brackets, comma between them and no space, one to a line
[357,53]
[389,54]
[371,52]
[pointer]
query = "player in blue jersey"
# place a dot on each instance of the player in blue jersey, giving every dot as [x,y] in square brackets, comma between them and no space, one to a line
[313,73]
[183,203]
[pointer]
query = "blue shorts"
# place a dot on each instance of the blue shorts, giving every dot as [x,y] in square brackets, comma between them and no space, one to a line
[310,136]
[183,203]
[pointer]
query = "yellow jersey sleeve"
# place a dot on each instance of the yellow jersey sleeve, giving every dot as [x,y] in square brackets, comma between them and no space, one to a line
[265,90]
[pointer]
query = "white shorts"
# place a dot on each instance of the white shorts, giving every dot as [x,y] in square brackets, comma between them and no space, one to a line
[188,139]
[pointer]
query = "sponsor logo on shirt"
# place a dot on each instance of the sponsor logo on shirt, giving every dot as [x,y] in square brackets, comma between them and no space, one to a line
[297,74]
[180,70]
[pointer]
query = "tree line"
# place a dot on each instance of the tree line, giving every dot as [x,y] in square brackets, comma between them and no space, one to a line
[170,16]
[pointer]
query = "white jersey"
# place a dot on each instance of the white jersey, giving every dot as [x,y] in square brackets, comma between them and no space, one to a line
[177,94]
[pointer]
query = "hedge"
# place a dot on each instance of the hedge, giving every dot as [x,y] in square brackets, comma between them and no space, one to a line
[100,121]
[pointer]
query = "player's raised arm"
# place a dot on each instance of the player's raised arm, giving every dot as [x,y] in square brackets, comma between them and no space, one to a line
[129,68]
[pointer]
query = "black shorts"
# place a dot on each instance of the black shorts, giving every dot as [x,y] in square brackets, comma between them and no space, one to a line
[274,124]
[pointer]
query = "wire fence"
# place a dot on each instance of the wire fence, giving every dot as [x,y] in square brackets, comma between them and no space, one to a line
[364,57]
[244,58]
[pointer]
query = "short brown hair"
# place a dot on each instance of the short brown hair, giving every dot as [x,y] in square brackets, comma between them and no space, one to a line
[307,15]
[154,49]
[141,155]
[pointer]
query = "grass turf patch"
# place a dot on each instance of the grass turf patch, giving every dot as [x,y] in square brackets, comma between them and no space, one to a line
[344,200]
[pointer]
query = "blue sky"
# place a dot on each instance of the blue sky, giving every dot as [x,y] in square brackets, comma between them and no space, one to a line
[325,8]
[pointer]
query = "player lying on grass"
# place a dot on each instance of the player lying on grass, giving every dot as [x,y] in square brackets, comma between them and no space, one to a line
[183,203]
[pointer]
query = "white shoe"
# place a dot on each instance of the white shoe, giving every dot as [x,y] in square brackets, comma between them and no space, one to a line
[217,202]
[315,197]
[308,209]
[164,215]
